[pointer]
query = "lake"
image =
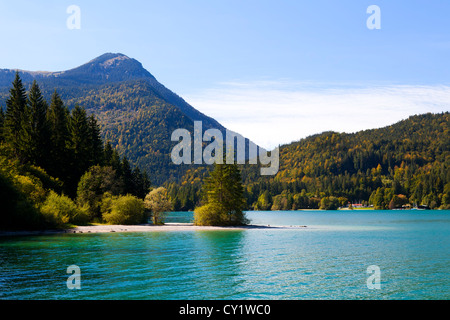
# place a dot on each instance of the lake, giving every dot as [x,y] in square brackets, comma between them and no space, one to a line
[327,260]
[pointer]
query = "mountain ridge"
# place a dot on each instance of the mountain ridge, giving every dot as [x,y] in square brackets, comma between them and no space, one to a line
[409,159]
[106,68]
[123,94]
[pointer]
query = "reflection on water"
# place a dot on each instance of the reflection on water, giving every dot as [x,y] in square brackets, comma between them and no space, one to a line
[326,260]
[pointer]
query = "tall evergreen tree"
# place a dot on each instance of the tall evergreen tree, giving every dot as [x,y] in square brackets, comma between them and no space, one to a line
[16,118]
[95,142]
[39,144]
[224,195]
[127,176]
[140,183]
[58,118]
[115,162]
[224,188]
[107,154]
[78,147]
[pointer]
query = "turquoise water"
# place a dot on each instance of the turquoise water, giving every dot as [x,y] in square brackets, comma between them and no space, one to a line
[326,260]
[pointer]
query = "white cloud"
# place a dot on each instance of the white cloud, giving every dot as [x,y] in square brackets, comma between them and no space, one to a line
[277,112]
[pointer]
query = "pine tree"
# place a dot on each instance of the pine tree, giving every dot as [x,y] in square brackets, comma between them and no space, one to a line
[39,144]
[95,142]
[224,195]
[145,185]
[58,117]
[140,183]
[107,154]
[15,133]
[115,162]
[127,176]
[78,147]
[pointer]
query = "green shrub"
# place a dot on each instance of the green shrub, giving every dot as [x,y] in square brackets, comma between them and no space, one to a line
[122,210]
[208,215]
[81,217]
[59,210]
[17,211]
[47,181]
[31,187]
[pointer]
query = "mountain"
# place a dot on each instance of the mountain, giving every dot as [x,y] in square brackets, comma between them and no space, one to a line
[137,114]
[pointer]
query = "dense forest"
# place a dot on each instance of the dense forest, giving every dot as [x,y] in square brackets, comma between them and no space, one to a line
[402,165]
[55,168]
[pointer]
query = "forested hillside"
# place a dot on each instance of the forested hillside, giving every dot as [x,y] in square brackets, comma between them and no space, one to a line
[403,164]
[136,121]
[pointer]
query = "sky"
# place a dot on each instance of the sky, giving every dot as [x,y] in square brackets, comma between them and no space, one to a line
[274,71]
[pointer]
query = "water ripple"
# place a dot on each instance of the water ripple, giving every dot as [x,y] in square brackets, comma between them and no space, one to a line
[326,262]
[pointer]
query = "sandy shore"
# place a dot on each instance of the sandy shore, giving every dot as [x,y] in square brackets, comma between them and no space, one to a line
[142,228]
[146,228]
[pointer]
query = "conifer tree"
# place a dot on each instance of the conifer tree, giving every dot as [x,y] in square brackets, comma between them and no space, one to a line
[140,183]
[224,195]
[107,154]
[95,142]
[58,117]
[16,119]
[78,147]
[127,176]
[115,162]
[39,138]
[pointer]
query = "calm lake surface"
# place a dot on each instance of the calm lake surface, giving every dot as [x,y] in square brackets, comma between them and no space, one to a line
[326,260]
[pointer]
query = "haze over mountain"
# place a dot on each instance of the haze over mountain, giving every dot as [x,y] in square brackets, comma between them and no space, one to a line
[136,112]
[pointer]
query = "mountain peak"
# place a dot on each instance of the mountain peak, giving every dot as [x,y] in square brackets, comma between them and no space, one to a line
[109,59]
[109,67]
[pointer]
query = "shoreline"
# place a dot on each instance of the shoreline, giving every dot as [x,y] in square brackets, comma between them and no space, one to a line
[141,228]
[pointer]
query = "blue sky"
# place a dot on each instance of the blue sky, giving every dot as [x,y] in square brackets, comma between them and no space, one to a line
[227,57]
